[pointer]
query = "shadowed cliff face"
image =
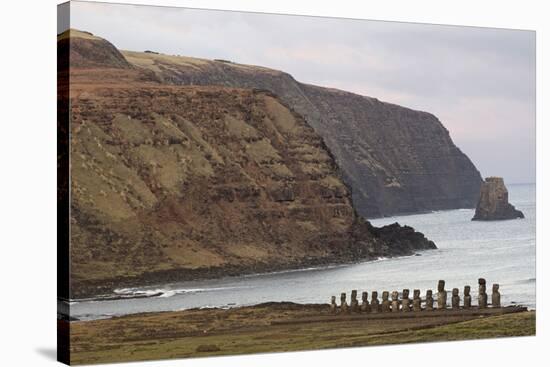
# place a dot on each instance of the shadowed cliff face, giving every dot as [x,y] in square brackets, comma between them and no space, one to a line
[181,182]
[396,160]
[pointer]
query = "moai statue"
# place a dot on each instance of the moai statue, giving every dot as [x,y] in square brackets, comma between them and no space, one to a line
[365,306]
[429,300]
[354,304]
[467,297]
[482,294]
[394,301]
[495,297]
[343,303]
[405,302]
[333,306]
[417,302]
[441,295]
[386,305]
[374,303]
[455,300]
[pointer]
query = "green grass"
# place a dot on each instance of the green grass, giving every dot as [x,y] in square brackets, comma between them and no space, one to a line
[197,333]
[520,324]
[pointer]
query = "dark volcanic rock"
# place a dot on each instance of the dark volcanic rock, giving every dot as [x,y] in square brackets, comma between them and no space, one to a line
[396,160]
[493,202]
[404,239]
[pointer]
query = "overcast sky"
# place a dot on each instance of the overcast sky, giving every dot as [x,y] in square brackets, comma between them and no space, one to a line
[479,82]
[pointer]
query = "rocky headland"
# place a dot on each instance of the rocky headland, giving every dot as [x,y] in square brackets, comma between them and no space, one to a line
[174,182]
[395,159]
[493,202]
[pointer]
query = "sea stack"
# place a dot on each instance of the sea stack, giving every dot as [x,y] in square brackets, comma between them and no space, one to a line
[493,202]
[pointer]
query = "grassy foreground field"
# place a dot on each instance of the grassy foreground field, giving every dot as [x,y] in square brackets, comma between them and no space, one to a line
[264,328]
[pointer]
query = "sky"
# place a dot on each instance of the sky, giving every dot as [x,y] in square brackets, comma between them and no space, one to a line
[480,82]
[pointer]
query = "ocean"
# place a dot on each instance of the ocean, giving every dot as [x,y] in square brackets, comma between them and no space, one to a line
[502,252]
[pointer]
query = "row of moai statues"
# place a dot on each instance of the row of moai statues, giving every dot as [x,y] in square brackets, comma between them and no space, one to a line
[405,304]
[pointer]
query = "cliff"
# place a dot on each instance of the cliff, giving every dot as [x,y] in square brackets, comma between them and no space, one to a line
[395,159]
[493,202]
[182,182]
[89,51]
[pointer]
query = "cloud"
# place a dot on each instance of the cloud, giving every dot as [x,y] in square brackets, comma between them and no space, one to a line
[480,82]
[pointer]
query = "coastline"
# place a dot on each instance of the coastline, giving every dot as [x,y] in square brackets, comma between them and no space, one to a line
[104,289]
[372,272]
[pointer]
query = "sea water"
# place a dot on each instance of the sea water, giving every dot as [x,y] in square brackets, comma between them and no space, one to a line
[500,251]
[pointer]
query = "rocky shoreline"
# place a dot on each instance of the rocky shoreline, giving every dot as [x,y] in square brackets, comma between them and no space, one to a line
[105,289]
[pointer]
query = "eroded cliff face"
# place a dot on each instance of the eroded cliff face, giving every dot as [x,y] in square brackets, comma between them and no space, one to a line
[181,182]
[493,202]
[396,160]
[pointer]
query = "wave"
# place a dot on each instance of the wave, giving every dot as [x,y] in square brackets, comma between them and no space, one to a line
[137,292]
[168,292]
[276,272]
[527,281]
